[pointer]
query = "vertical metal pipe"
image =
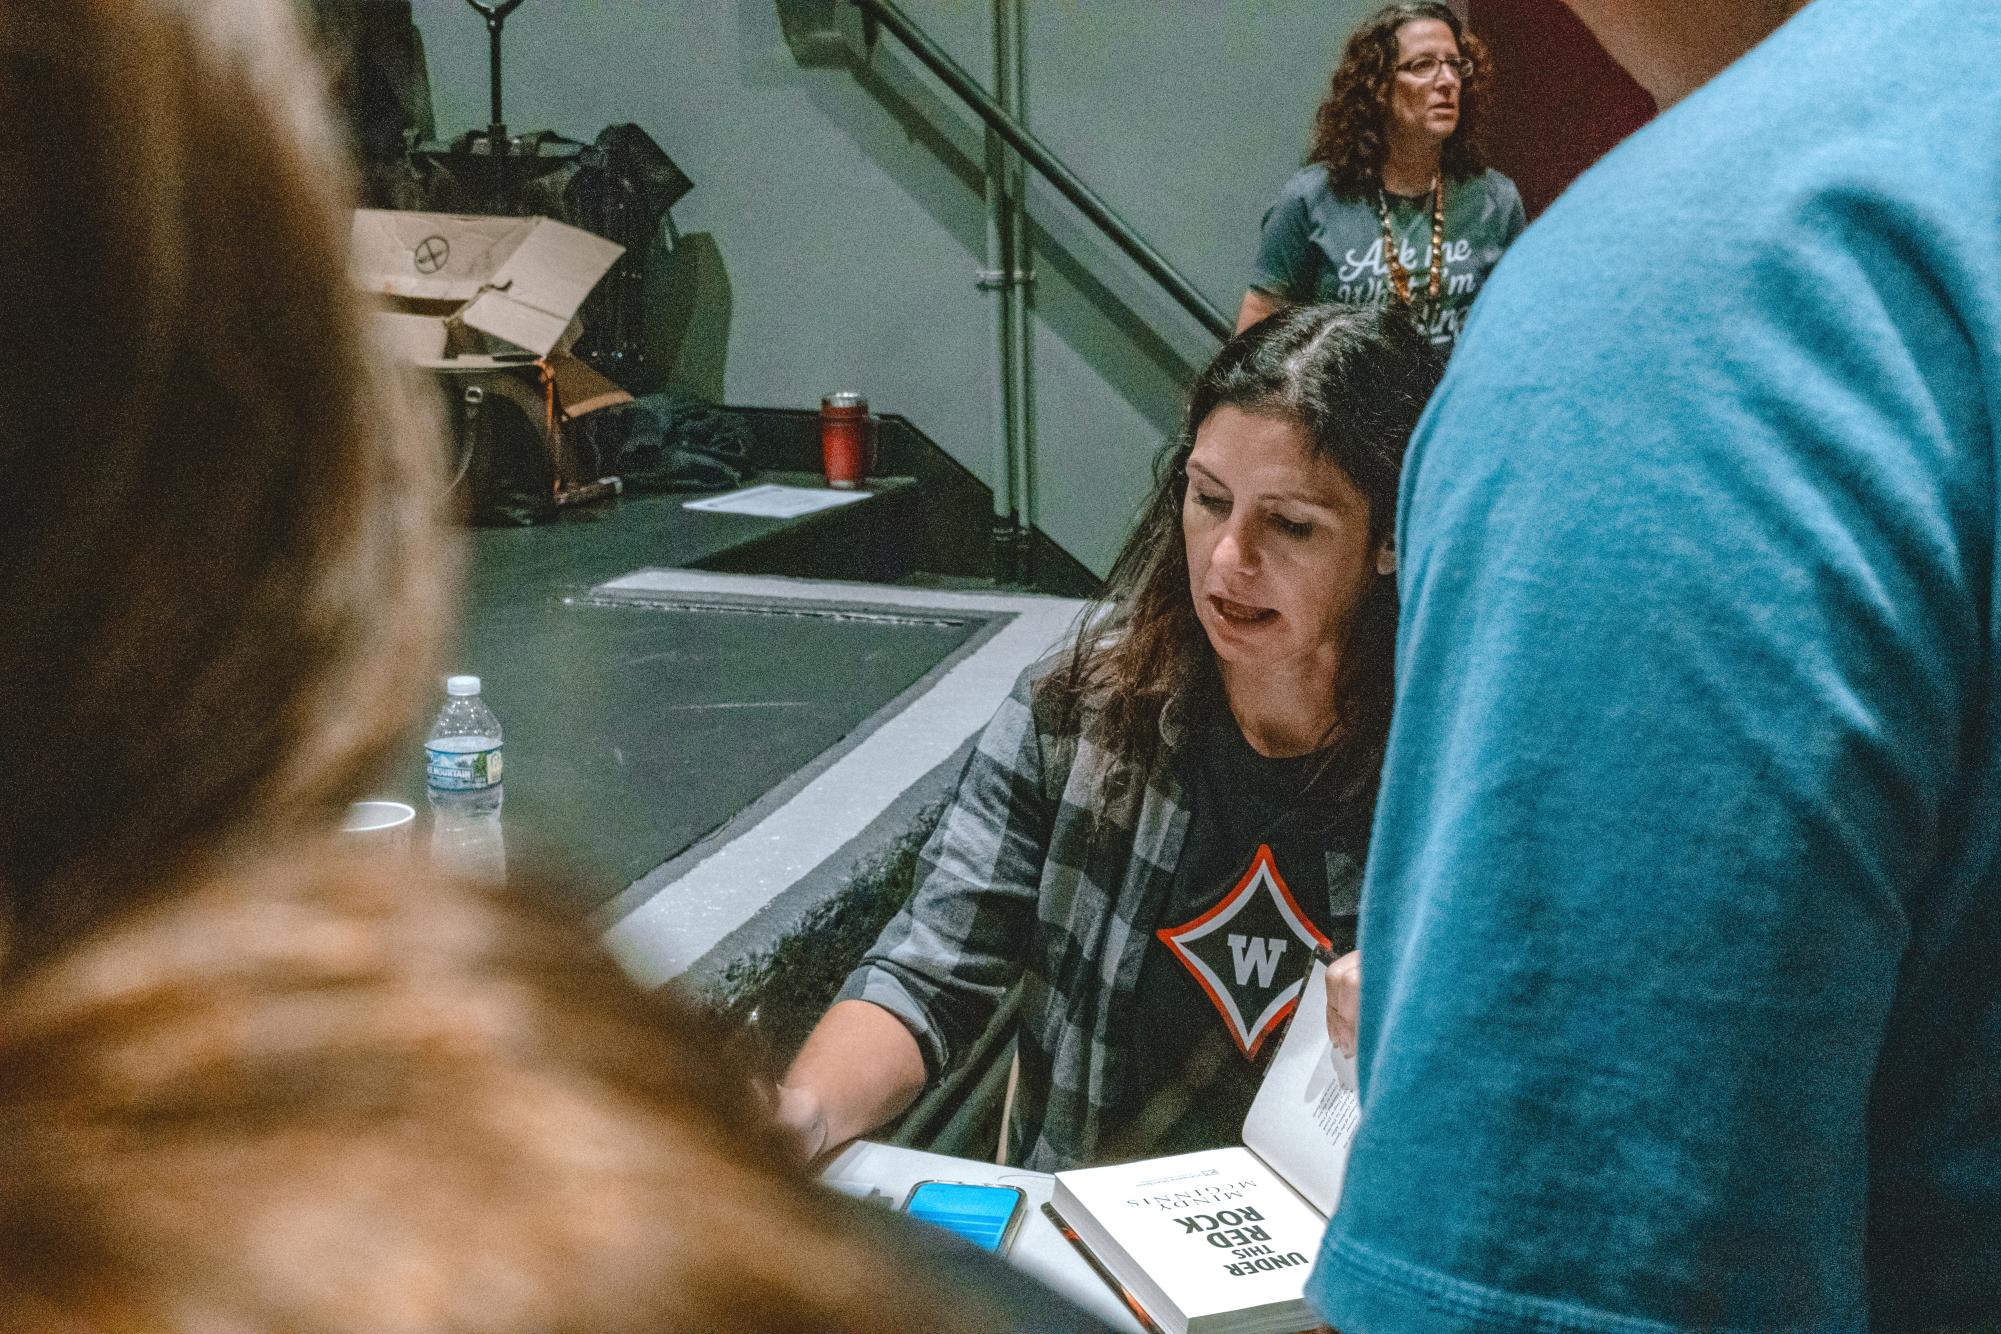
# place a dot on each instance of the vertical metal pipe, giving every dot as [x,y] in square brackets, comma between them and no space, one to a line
[1021,415]
[493,25]
[496,130]
[996,279]
[495,13]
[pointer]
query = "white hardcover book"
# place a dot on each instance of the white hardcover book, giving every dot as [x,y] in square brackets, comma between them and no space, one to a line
[1221,1241]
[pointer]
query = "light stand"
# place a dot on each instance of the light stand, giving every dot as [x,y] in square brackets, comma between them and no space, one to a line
[495,15]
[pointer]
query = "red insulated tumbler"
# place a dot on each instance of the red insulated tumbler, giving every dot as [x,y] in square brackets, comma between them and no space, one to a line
[847,433]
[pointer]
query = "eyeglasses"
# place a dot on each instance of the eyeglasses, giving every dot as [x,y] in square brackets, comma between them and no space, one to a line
[1427,67]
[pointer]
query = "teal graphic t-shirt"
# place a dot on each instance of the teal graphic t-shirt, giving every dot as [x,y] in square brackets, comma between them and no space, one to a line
[1315,247]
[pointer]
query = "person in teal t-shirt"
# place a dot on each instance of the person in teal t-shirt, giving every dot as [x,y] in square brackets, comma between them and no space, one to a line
[1681,930]
[1396,203]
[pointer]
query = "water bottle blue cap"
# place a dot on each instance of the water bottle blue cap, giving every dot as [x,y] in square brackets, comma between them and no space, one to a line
[462,685]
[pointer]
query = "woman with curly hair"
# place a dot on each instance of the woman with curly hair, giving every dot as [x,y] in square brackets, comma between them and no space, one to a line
[1396,202]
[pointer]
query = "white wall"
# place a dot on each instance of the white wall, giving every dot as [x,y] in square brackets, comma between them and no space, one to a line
[837,218]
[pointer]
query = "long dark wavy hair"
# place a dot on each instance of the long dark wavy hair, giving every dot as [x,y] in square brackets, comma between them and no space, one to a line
[1351,127]
[1353,379]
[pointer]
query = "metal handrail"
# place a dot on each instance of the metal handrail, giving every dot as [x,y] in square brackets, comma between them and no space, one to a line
[1036,154]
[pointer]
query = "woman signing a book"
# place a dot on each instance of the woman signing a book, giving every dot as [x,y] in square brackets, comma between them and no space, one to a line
[1167,820]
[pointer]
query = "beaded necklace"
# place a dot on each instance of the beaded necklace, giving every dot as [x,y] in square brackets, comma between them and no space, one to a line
[1392,251]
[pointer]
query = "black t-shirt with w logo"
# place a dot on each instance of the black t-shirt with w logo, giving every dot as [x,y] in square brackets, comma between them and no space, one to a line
[1266,876]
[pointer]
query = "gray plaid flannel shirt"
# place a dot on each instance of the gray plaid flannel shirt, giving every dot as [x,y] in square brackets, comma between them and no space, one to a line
[1045,873]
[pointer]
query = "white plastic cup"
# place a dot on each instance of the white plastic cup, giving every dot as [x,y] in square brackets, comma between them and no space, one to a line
[382,826]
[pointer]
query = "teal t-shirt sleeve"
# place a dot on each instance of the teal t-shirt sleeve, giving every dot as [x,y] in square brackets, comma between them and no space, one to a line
[1287,260]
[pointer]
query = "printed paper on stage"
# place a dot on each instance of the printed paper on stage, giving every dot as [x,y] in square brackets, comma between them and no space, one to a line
[776,502]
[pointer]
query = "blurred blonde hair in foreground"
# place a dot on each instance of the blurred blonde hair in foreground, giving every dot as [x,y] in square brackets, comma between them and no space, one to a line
[244,1084]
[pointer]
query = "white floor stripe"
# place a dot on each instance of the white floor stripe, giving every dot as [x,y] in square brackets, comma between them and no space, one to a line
[683,920]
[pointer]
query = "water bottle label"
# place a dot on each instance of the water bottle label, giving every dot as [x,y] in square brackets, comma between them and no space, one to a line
[461,770]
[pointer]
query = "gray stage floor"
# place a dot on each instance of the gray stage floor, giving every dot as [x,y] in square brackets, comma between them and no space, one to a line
[635,731]
[648,730]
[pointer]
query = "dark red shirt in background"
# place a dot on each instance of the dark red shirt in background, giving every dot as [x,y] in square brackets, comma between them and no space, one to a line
[1559,103]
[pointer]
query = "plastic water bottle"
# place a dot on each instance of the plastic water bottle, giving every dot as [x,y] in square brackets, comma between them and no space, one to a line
[462,778]
[462,756]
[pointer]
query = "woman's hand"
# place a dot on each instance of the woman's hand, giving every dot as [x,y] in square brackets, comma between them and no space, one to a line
[860,1068]
[800,1112]
[1344,1000]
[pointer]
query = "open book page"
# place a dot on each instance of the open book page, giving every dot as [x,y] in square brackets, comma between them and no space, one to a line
[1306,1111]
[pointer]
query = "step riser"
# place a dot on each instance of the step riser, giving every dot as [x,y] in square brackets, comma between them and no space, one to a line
[955,512]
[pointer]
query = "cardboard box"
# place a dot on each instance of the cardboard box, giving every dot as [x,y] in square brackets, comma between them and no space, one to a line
[489,288]
[468,295]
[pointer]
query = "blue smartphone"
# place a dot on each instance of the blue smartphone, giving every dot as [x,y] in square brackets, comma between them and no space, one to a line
[984,1215]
